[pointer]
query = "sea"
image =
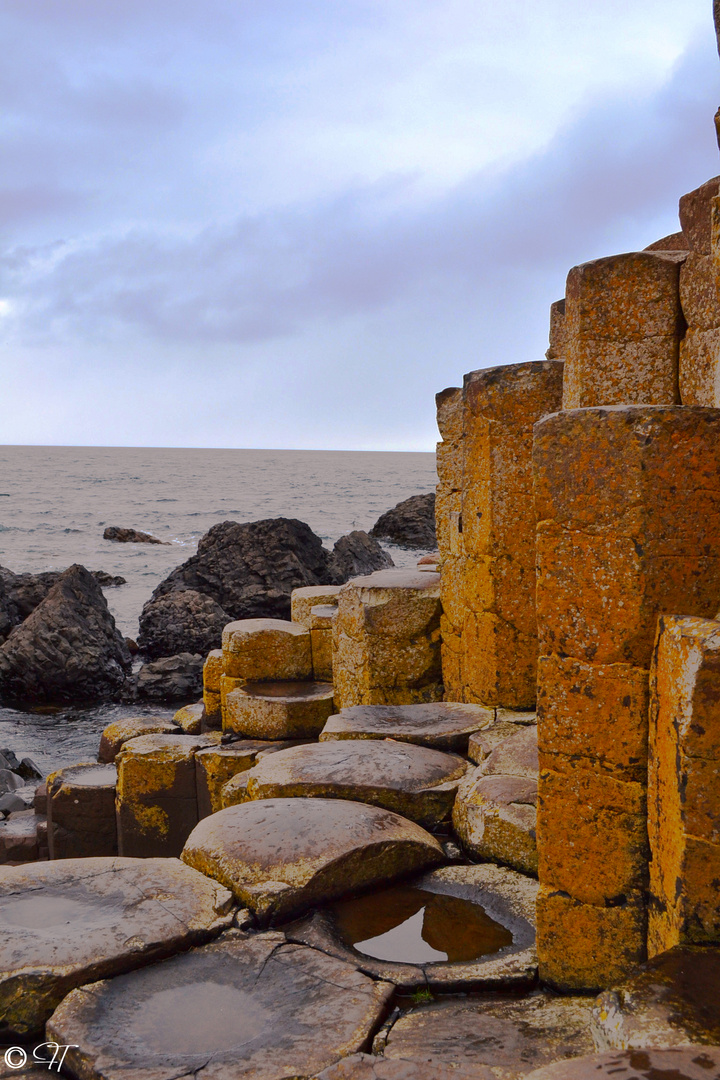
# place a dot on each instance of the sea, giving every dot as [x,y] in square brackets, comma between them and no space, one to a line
[55,502]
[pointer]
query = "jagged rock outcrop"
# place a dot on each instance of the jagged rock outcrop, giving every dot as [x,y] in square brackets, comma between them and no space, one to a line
[20,594]
[354,554]
[172,678]
[409,524]
[181,622]
[67,650]
[250,569]
[130,536]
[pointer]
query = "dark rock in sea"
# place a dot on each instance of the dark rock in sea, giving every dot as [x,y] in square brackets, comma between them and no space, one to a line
[409,524]
[67,650]
[20,594]
[181,622]
[130,536]
[356,554]
[133,647]
[250,569]
[108,581]
[172,678]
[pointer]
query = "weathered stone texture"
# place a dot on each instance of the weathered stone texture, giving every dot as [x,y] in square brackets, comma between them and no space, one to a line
[212,673]
[278,710]
[280,856]
[302,601]
[486,527]
[623,327]
[695,216]
[81,811]
[157,794]
[684,784]
[215,765]
[386,639]
[628,503]
[119,732]
[266,649]
[556,348]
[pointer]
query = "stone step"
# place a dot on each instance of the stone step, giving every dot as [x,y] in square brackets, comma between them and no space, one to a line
[441,725]
[81,811]
[281,856]
[278,709]
[19,841]
[414,781]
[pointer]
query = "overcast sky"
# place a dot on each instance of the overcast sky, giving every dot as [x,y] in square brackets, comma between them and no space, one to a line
[288,223]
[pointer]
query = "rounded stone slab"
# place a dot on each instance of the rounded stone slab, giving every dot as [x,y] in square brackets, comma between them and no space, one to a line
[278,710]
[369,1067]
[506,896]
[680,1063]
[281,856]
[252,1007]
[66,923]
[414,781]
[441,725]
[508,1035]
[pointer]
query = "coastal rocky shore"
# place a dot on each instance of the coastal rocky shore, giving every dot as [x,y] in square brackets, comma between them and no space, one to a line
[452,821]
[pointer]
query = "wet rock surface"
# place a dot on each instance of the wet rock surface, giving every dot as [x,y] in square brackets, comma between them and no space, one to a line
[439,725]
[511,1037]
[409,524]
[66,923]
[130,536]
[683,1063]
[369,1067]
[673,1001]
[457,928]
[242,1006]
[181,622]
[414,781]
[281,856]
[172,678]
[67,650]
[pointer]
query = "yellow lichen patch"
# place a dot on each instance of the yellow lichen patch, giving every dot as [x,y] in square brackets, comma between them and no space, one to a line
[266,649]
[302,601]
[213,671]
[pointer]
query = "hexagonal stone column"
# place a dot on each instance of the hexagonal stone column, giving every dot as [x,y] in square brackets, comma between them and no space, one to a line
[700,347]
[215,765]
[386,639]
[684,785]
[281,856]
[259,649]
[487,535]
[81,811]
[157,793]
[414,781]
[115,735]
[278,710]
[212,673]
[623,324]
[64,924]
[628,503]
[241,1007]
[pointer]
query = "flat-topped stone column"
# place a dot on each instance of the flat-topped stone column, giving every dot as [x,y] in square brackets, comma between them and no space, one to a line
[488,552]
[684,785]
[212,674]
[623,325]
[700,347]
[386,639]
[628,504]
[81,811]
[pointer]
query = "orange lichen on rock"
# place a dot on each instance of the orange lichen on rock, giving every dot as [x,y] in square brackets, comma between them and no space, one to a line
[628,505]
[623,325]
[684,784]
[386,639]
[700,347]
[486,526]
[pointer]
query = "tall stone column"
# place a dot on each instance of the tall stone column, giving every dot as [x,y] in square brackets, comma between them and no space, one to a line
[487,534]
[684,785]
[623,325]
[628,505]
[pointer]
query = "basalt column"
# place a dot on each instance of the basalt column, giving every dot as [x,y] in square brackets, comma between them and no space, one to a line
[628,505]
[684,785]
[486,531]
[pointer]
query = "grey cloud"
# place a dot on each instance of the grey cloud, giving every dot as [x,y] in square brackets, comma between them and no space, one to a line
[602,181]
